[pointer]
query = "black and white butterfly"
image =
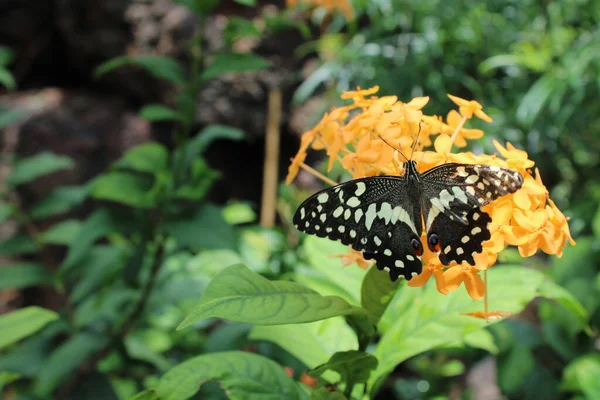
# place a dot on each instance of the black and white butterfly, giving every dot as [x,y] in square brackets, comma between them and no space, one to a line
[383,216]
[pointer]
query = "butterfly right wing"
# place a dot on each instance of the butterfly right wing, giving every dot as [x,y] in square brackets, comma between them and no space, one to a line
[372,215]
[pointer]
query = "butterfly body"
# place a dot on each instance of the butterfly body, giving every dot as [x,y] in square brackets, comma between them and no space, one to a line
[383,216]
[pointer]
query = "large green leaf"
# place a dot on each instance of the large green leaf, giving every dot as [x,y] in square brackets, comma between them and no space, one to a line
[226,63]
[22,275]
[419,319]
[148,157]
[313,343]
[63,361]
[240,295]
[59,201]
[376,293]
[30,168]
[582,375]
[124,188]
[22,323]
[329,270]
[242,375]
[160,66]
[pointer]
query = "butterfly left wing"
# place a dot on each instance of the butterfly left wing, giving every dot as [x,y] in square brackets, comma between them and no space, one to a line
[374,215]
[454,196]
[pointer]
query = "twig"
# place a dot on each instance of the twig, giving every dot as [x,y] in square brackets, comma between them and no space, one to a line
[271,165]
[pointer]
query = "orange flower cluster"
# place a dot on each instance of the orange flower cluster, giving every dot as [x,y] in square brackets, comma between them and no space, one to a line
[331,6]
[352,135]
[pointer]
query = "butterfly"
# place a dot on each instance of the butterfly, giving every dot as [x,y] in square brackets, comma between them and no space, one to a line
[383,216]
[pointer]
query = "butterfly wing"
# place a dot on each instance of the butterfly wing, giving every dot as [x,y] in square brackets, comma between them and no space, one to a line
[374,215]
[454,196]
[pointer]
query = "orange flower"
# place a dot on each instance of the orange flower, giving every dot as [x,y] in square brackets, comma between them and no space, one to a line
[352,135]
[352,257]
[468,108]
[331,6]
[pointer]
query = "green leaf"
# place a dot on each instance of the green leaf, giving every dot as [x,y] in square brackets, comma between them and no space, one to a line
[159,112]
[419,319]
[482,339]
[326,394]
[242,375]
[200,179]
[376,293]
[138,350]
[159,66]
[65,359]
[249,3]
[101,263]
[7,79]
[18,245]
[198,145]
[149,394]
[6,55]
[151,157]
[23,274]
[6,211]
[98,224]
[347,281]
[581,375]
[226,63]
[596,223]
[353,366]
[124,188]
[559,294]
[41,164]
[62,233]
[240,295]
[313,343]
[6,378]
[59,201]
[206,229]
[8,116]
[239,213]
[22,323]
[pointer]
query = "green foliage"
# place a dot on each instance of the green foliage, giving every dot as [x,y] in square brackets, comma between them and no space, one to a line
[31,168]
[22,323]
[227,63]
[142,243]
[238,294]
[242,375]
[159,66]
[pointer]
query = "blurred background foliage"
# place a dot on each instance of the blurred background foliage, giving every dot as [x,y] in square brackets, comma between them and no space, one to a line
[132,162]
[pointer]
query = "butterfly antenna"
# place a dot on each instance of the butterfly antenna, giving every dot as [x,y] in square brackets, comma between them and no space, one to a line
[414,146]
[393,147]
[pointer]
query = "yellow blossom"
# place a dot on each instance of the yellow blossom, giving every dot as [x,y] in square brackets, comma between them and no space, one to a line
[355,135]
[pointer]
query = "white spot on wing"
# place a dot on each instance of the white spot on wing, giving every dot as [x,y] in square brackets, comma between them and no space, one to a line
[385,212]
[387,252]
[338,211]
[410,258]
[471,179]
[353,202]
[370,216]
[459,251]
[475,230]
[323,197]
[377,241]
[360,188]
[302,213]
[358,215]
[459,194]
[399,264]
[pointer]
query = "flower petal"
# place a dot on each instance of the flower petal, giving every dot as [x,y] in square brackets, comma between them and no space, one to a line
[474,285]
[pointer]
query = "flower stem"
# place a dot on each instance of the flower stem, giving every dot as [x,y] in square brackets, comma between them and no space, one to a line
[317,174]
[457,129]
